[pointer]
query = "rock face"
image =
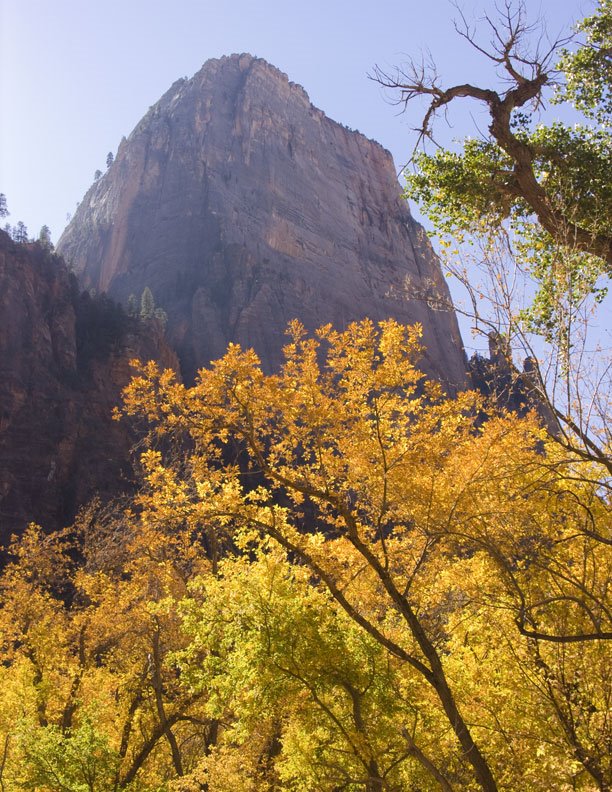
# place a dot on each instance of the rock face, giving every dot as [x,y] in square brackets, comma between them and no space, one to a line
[242,206]
[64,359]
[497,378]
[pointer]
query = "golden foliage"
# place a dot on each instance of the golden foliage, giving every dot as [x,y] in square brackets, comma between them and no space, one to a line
[345,580]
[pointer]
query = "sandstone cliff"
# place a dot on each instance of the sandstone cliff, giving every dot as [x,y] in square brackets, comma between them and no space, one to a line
[242,207]
[64,359]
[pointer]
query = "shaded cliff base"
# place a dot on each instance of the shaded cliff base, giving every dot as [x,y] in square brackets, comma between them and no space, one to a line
[64,360]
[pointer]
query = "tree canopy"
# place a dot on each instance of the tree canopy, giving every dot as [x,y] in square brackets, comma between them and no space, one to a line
[332,577]
[556,175]
[523,212]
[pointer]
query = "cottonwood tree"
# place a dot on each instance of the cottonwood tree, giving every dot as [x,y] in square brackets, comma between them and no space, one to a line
[559,173]
[419,523]
[90,697]
[331,577]
[524,212]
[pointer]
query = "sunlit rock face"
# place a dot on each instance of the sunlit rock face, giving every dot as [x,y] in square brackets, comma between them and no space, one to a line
[64,360]
[243,207]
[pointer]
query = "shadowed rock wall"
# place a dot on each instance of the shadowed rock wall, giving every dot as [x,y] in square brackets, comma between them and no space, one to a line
[64,360]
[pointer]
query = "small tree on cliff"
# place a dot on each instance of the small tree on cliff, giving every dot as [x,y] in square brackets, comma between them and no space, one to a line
[109,159]
[44,238]
[4,212]
[161,316]
[148,309]
[147,304]
[20,233]
[132,306]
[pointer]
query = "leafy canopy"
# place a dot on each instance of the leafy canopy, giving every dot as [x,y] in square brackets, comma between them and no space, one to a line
[551,182]
[422,529]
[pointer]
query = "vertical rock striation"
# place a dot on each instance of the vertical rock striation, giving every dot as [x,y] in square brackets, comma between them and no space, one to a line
[242,207]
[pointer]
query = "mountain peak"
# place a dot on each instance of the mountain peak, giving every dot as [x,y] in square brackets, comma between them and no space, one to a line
[242,206]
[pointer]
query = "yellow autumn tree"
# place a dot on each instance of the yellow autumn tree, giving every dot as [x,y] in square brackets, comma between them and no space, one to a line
[473,554]
[335,577]
[90,698]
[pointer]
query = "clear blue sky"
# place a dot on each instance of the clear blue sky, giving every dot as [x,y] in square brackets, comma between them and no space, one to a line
[77,75]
